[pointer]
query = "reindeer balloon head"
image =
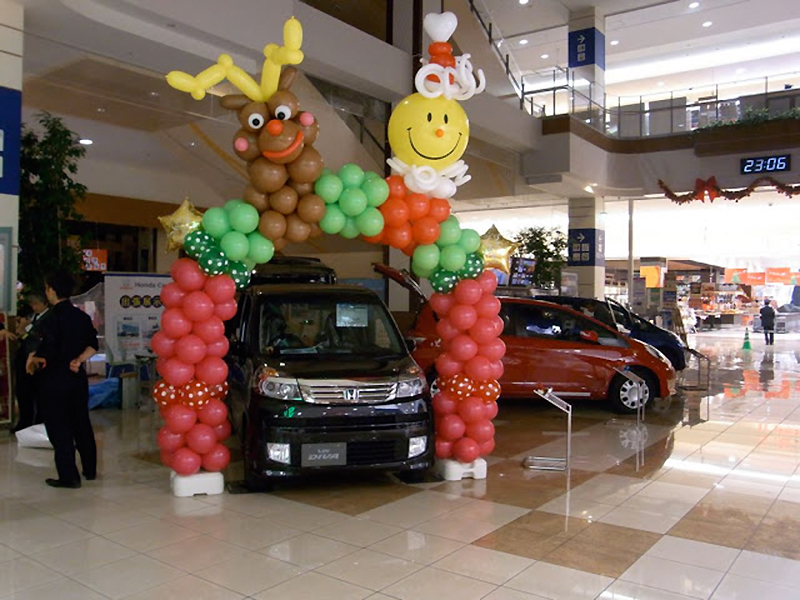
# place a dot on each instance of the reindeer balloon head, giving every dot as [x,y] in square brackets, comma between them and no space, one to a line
[275,139]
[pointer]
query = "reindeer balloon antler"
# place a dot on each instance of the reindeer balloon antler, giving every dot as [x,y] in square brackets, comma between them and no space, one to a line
[274,58]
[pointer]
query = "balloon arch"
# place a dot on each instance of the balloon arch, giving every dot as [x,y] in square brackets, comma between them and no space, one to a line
[291,197]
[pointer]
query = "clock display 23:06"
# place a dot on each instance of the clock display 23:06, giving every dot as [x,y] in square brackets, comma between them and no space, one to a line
[766,164]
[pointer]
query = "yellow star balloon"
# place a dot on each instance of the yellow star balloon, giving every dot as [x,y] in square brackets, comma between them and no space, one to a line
[497,250]
[180,224]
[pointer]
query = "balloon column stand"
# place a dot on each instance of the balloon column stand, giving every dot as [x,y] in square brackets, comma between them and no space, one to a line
[452,470]
[551,463]
[209,484]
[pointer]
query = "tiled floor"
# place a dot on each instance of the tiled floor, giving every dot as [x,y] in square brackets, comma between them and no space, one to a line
[701,501]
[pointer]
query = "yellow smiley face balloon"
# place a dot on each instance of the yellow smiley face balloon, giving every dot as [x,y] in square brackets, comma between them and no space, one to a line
[428,131]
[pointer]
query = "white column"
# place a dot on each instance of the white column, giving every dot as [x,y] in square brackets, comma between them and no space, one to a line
[586,253]
[587,53]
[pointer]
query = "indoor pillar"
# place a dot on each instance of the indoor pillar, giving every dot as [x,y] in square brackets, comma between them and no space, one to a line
[587,56]
[586,255]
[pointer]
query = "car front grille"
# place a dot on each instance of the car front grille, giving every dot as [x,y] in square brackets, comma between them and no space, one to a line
[347,391]
[376,452]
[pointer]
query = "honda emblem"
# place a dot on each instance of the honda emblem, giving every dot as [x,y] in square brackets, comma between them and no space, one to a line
[351,395]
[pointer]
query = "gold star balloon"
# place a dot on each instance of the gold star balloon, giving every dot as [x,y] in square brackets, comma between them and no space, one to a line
[497,250]
[181,223]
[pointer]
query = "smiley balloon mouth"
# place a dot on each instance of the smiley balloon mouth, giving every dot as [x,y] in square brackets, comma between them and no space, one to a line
[414,148]
[288,150]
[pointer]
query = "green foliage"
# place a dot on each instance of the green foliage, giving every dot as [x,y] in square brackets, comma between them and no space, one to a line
[754,116]
[48,160]
[549,248]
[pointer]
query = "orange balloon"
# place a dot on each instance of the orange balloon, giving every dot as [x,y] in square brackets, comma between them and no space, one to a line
[394,211]
[397,187]
[399,237]
[488,391]
[373,239]
[439,209]
[409,250]
[418,206]
[426,231]
[458,385]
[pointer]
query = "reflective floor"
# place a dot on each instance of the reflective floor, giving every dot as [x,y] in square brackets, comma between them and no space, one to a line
[702,500]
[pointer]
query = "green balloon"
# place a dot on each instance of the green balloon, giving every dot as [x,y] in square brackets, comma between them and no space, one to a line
[239,272]
[350,229]
[452,258]
[370,222]
[353,201]
[234,245]
[443,281]
[231,204]
[213,262]
[371,175]
[216,222]
[376,190]
[425,257]
[197,242]
[473,267]
[244,218]
[449,232]
[334,219]
[249,264]
[352,175]
[261,249]
[423,273]
[328,187]
[470,240]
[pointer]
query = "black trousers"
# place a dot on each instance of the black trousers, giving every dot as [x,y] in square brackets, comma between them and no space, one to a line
[26,401]
[769,335]
[64,401]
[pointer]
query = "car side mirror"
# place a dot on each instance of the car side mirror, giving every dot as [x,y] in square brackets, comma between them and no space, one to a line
[589,336]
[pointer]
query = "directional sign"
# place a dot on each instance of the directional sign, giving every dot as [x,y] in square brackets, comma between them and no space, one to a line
[10,131]
[586,248]
[587,47]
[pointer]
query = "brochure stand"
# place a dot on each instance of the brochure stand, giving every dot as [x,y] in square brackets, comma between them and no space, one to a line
[699,386]
[549,463]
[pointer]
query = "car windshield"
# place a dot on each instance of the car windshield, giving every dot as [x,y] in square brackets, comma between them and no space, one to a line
[326,324]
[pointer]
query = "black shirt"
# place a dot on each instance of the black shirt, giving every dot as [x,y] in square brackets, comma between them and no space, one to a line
[66,333]
[767,317]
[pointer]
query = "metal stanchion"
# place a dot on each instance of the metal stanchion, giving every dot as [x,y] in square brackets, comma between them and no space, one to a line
[549,463]
[640,385]
[699,386]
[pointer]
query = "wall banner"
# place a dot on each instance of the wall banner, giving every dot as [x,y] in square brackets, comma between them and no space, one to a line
[133,313]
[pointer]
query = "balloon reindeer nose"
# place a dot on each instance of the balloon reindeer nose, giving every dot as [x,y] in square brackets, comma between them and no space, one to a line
[275,127]
[439,132]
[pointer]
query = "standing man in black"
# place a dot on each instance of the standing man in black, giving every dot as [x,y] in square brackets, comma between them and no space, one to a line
[768,322]
[68,341]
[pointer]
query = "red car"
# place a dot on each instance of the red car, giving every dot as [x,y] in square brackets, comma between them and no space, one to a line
[552,346]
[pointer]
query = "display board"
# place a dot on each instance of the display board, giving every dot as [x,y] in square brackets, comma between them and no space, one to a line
[133,310]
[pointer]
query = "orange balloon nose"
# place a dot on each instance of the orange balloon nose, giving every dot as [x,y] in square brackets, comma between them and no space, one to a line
[439,132]
[275,127]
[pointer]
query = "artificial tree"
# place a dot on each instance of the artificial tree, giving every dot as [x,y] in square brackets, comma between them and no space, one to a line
[549,247]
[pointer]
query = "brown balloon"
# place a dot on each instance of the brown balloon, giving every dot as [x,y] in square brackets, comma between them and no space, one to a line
[307,167]
[279,244]
[311,208]
[266,176]
[272,225]
[315,231]
[301,188]
[255,198]
[297,230]
[284,200]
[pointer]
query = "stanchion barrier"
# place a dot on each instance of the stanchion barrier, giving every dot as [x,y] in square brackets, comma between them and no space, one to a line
[549,463]
[699,387]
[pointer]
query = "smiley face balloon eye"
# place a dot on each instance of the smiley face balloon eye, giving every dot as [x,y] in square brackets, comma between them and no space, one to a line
[283,112]
[256,121]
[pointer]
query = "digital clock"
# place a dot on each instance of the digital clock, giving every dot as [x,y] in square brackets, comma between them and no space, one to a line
[766,164]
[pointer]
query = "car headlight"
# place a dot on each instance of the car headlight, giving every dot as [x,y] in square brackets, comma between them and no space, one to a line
[411,383]
[272,384]
[657,353]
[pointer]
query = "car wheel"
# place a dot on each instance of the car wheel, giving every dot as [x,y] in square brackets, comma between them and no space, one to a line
[624,394]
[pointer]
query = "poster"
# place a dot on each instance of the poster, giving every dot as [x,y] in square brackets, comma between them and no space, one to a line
[133,313]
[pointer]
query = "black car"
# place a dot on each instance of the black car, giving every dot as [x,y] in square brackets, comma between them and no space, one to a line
[293,269]
[321,379]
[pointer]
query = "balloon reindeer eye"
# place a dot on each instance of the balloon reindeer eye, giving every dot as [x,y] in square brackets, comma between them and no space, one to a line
[256,121]
[283,112]
[445,119]
[430,117]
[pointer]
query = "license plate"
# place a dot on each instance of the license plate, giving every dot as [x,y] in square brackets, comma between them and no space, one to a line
[324,455]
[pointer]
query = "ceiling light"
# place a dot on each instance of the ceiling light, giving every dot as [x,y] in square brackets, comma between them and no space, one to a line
[523,2]
[614,42]
[660,83]
[545,56]
[741,70]
[589,189]
[523,42]
[85,142]
[154,94]
[708,24]
[101,110]
[694,5]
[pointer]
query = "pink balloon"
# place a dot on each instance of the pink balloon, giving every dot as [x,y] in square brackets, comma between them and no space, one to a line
[451,427]
[445,329]
[197,306]
[175,324]
[179,418]
[166,458]
[490,410]
[488,306]
[480,431]
[201,438]
[216,459]
[447,366]
[444,449]
[226,310]
[479,368]
[223,431]
[212,370]
[497,369]
[168,441]
[160,364]
[220,288]
[209,330]
[188,275]
[444,404]
[214,413]
[487,447]
[442,303]
[176,372]
[163,345]
[494,349]
[468,291]
[218,347]
[484,330]
[471,410]
[499,325]
[487,281]
[466,450]
[190,349]
[172,295]
[186,462]
[463,347]
[463,316]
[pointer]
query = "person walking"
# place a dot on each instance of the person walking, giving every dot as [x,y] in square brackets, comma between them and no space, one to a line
[768,322]
[68,340]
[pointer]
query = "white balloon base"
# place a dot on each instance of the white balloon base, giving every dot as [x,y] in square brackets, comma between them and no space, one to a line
[209,484]
[452,470]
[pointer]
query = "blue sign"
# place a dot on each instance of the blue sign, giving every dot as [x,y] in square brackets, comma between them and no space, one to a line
[586,248]
[587,47]
[10,132]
